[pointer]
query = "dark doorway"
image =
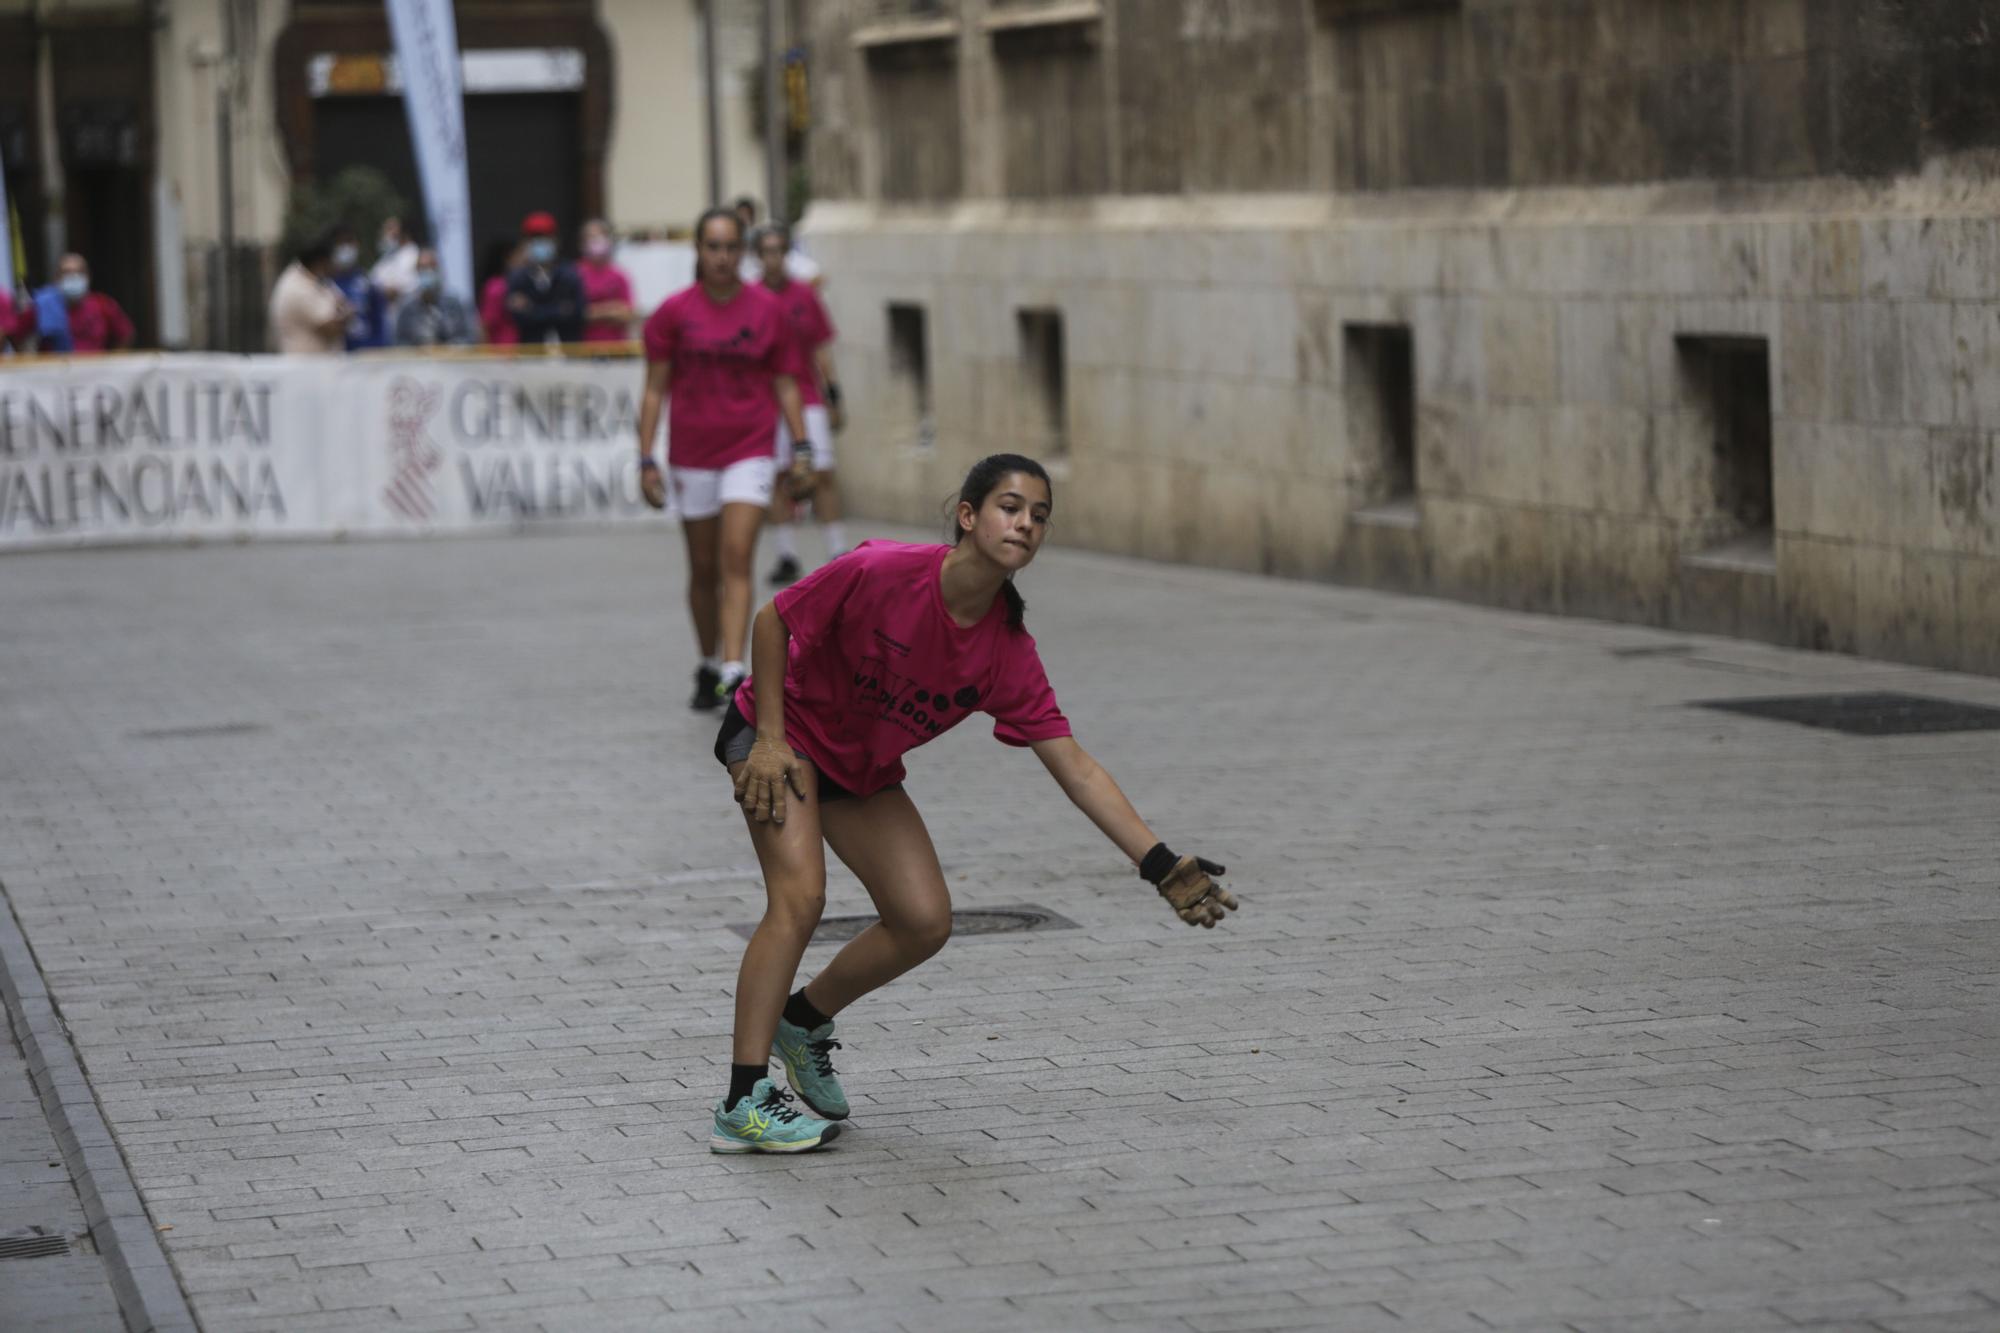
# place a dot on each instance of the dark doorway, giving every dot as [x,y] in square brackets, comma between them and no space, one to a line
[521,151]
[108,215]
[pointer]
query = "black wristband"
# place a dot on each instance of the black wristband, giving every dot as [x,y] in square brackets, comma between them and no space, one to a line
[833,394]
[648,461]
[1158,864]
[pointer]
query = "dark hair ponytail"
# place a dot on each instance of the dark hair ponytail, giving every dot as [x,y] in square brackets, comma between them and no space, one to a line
[701,225]
[987,473]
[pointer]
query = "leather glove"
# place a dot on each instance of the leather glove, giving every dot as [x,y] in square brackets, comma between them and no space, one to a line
[761,782]
[1186,885]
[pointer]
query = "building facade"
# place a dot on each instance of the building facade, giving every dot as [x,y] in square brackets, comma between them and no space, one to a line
[1683,312]
[163,138]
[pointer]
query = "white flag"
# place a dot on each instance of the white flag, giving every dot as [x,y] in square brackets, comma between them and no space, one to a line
[434,103]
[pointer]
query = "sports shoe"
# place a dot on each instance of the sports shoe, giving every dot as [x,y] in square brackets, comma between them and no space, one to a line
[707,689]
[785,571]
[808,1060]
[766,1121]
[726,683]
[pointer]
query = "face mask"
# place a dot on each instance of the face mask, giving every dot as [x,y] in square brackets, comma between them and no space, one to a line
[427,279]
[74,285]
[344,256]
[541,251]
[597,247]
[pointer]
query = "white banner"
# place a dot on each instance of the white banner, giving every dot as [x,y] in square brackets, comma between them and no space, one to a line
[427,55]
[123,449]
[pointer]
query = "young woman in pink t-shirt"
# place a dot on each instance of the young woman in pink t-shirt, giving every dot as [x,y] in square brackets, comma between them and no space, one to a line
[870,656]
[808,464]
[717,356]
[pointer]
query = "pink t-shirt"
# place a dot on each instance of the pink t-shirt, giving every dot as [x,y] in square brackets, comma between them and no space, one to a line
[722,408]
[878,667]
[494,319]
[810,329]
[604,282]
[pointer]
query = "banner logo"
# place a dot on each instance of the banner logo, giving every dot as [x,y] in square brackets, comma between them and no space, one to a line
[414,457]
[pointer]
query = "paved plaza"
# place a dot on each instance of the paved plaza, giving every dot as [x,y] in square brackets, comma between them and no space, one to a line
[386,891]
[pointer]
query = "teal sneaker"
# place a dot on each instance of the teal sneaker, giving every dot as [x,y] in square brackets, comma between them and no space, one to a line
[808,1060]
[766,1121]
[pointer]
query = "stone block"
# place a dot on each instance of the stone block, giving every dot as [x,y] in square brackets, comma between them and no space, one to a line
[1816,592]
[1895,258]
[1964,258]
[1937,371]
[1976,329]
[1448,348]
[1977,584]
[1827,258]
[1519,350]
[1965,490]
[1604,349]
[1880,329]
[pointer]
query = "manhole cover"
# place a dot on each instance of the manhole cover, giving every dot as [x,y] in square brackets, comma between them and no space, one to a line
[1878,714]
[189,733]
[972,921]
[33,1244]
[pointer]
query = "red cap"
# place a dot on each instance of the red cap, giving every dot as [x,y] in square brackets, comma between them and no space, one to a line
[538,224]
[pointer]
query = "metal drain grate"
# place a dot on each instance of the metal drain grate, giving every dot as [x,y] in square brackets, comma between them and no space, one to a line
[975,921]
[35,1244]
[1878,714]
[191,733]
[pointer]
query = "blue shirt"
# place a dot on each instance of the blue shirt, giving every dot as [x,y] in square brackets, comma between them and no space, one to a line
[370,325]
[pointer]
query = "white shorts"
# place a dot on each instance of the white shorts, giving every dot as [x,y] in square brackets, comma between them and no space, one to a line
[701,492]
[819,430]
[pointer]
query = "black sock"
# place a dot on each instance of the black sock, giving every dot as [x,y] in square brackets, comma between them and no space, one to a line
[742,1078]
[800,1013]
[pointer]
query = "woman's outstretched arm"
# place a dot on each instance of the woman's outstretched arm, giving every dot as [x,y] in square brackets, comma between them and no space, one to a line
[1093,791]
[1184,881]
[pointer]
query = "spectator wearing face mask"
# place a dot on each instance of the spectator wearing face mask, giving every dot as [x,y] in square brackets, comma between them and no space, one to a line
[68,317]
[544,295]
[369,325]
[432,316]
[395,271]
[607,292]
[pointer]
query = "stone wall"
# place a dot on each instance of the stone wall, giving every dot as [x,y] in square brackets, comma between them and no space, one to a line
[1566,432]
[1696,321]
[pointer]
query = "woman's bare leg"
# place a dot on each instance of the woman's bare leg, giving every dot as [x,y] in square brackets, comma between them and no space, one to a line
[738,542]
[703,537]
[882,839]
[794,863]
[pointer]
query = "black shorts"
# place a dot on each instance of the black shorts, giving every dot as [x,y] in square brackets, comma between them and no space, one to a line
[739,733]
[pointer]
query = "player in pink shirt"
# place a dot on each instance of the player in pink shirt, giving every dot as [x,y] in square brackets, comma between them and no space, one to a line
[865,659]
[810,461]
[607,292]
[717,354]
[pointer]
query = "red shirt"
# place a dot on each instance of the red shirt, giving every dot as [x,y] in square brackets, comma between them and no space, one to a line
[494,319]
[722,408]
[877,667]
[96,324]
[604,282]
[810,329]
